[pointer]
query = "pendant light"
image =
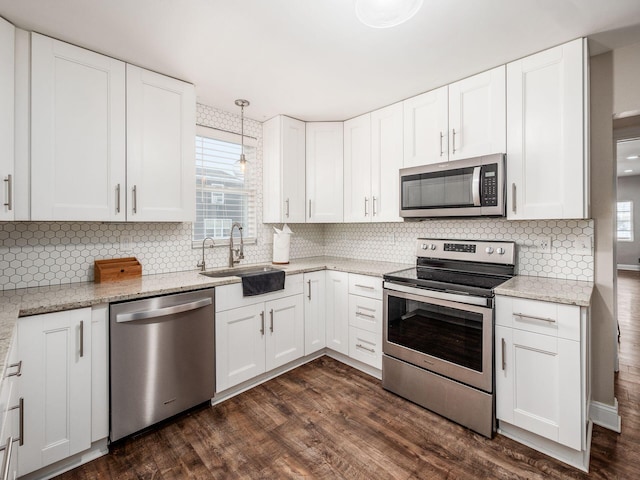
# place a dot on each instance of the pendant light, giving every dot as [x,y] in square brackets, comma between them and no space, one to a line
[386,13]
[243,160]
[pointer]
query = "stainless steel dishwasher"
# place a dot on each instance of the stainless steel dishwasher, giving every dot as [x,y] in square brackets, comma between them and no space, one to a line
[162,358]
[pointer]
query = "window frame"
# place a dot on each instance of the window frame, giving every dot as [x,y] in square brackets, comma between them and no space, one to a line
[631,226]
[230,137]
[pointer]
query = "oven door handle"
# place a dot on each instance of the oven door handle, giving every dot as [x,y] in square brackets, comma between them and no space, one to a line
[475,186]
[403,289]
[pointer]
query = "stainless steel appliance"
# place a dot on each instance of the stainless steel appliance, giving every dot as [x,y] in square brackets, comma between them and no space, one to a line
[438,328]
[460,188]
[162,358]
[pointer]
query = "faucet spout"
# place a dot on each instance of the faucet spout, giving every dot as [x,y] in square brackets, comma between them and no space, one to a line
[203,265]
[235,255]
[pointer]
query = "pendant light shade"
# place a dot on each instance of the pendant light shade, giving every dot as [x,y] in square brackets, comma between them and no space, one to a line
[243,160]
[386,13]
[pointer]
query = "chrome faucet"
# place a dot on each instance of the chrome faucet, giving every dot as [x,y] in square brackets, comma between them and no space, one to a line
[203,265]
[239,252]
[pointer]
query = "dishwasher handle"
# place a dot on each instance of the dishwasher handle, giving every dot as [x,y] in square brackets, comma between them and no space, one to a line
[161,312]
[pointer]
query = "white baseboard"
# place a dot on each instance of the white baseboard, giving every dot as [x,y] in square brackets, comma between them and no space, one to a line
[606,415]
[629,267]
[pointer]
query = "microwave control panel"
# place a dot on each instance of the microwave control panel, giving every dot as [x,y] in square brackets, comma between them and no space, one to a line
[489,187]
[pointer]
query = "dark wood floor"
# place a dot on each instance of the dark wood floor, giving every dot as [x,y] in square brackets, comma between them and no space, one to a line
[326,420]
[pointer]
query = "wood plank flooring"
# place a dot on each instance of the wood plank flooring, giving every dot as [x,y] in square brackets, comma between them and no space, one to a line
[326,420]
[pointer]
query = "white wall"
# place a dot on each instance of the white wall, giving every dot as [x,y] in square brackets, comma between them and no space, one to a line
[629,252]
[626,78]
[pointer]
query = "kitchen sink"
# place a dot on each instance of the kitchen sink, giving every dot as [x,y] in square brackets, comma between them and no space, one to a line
[239,271]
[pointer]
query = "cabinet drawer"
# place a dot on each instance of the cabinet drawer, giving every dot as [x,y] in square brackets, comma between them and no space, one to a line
[365,346]
[365,313]
[536,316]
[230,296]
[365,285]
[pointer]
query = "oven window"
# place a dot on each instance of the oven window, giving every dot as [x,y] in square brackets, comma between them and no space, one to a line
[450,188]
[450,334]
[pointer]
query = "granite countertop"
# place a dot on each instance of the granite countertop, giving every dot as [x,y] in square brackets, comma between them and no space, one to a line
[36,300]
[571,292]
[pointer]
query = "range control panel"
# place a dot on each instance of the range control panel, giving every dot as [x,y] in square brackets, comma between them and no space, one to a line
[493,251]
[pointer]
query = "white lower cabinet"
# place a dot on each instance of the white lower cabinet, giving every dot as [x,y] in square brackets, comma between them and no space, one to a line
[541,380]
[314,312]
[263,333]
[337,313]
[9,411]
[55,384]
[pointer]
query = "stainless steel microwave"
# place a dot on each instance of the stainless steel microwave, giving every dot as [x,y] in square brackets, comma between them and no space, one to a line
[471,187]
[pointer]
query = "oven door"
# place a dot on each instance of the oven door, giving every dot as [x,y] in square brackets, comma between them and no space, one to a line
[447,337]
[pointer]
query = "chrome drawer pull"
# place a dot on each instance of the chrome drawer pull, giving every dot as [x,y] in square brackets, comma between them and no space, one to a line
[262,322]
[359,345]
[522,316]
[287,211]
[271,327]
[81,338]
[368,287]
[18,372]
[9,182]
[504,361]
[360,314]
[513,198]
[309,283]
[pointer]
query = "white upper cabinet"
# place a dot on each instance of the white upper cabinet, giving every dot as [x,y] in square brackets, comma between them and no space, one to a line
[161,133]
[7,42]
[547,168]
[357,169]
[386,161]
[324,167]
[477,115]
[283,143]
[83,107]
[373,153]
[426,124]
[462,120]
[77,133]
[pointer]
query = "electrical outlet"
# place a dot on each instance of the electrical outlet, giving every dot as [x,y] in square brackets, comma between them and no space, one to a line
[581,246]
[542,244]
[125,243]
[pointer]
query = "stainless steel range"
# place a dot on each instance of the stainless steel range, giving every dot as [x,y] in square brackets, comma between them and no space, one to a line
[438,328]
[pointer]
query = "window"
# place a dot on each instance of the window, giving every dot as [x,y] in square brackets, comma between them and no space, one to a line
[224,193]
[625,221]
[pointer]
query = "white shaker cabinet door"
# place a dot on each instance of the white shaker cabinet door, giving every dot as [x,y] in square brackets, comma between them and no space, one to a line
[386,161]
[7,65]
[55,384]
[77,133]
[358,205]
[477,115]
[425,128]
[324,172]
[314,312]
[160,147]
[337,285]
[547,173]
[285,332]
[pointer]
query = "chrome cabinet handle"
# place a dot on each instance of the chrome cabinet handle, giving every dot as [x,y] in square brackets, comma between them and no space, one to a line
[134,208]
[360,314]
[359,345]
[441,151]
[309,208]
[368,287]
[81,338]
[374,206]
[504,348]
[7,457]
[309,283]
[118,198]
[532,317]
[9,202]
[18,372]
[513,197]
[262,323]
[271,327]
[287,204]
[366,201]
[20,406]
[453,140]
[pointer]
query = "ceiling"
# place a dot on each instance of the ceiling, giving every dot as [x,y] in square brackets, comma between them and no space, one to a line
[625,149]
[312,59]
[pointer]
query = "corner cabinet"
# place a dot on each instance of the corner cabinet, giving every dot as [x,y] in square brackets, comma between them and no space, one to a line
[373,156]
[283,170]
[462,120]
[7,92]
[109,141]
[337,311]
[314,312]
[324,172]
[547,161]
[542,377]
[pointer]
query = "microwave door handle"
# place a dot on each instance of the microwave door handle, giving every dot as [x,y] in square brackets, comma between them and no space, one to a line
[475,186]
